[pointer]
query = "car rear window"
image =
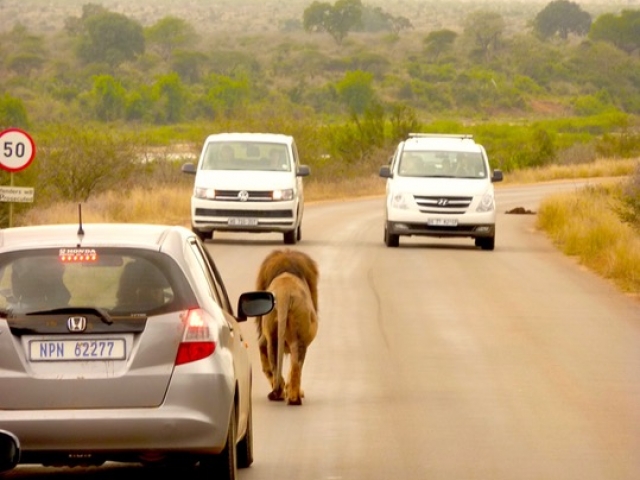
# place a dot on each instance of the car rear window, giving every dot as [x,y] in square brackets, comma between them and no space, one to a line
[115,280]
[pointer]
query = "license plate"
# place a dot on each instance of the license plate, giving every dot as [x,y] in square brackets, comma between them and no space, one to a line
[77,349]
[442,222]
[243,222]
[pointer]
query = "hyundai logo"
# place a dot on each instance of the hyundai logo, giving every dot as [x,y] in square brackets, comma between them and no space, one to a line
[443,202]
[77,324]
[243,196]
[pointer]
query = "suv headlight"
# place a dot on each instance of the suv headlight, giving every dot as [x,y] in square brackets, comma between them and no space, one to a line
[401,201]
[283,195]
[486,203]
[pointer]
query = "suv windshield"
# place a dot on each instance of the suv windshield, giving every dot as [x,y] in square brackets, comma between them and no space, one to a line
[246,156]
[442,164]
[114,280]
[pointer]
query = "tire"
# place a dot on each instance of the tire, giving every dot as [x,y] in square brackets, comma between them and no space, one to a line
[290,237]
[486,243]
[245,446]
[299,233]
[391,240]
[223,466]
[201,234]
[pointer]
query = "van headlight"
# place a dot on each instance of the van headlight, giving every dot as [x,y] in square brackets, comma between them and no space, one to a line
[283,195]
[486,203]
[206,193]
[400,201]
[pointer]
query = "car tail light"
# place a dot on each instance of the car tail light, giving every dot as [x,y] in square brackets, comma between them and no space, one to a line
[197,342]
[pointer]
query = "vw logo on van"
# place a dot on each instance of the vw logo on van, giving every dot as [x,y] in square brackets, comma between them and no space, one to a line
[243,195]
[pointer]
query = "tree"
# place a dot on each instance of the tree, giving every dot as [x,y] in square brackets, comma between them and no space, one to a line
[170,95]
[170,33]
[374,19]
[439,42]
[111,38]
[622,31]
[484,28]
[561,17]
[226,94]
[189,65]
[109,98]
[337,20]
[356,91]
[76,162]
[12,112]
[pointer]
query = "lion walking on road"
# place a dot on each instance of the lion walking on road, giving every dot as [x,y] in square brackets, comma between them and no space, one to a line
[292,277]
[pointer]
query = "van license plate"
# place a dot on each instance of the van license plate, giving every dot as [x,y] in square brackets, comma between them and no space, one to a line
[243,222]
[442,222]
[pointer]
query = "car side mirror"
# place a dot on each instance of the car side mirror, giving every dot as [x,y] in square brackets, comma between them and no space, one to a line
[497,176]
[303,171]
[385,172]
[9,451]
[255,304]
[189,168]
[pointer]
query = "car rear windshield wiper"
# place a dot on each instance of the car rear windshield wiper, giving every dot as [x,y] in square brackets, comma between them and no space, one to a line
[101,313]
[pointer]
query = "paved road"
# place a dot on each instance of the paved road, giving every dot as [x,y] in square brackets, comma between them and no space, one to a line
[437,360]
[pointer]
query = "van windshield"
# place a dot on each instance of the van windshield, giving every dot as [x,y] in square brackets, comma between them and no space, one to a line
[442,164]
[260,156]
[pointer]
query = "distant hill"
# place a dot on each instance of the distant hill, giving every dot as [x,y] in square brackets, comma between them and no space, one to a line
[262,16]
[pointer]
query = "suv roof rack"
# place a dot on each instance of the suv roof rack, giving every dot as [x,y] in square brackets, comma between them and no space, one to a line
[461,136]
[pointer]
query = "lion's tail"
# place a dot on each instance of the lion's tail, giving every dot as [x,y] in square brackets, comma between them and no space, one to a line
[284,305]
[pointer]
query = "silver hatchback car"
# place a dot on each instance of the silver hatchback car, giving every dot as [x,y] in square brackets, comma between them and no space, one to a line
[118,343]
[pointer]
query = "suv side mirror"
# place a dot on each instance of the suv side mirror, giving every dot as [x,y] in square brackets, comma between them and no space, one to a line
[9,451]
[385,172]
[497,176]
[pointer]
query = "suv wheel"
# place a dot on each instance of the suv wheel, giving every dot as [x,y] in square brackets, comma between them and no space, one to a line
[486,243]
[391,240]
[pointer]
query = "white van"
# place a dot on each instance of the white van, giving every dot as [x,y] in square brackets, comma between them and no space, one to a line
[440,185]
[248,182]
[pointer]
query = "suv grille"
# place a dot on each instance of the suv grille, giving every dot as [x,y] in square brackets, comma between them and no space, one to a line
[445,205]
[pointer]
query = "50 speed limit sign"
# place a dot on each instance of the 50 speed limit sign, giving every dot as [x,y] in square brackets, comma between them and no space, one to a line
[17,150]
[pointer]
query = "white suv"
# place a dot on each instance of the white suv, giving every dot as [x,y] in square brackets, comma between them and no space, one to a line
[440,186]
[248,182]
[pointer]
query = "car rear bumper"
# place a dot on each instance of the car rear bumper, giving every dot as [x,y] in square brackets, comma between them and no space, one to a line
[193,419]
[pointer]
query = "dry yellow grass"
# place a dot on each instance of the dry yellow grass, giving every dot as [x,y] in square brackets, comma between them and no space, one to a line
[599,168]
[584,224]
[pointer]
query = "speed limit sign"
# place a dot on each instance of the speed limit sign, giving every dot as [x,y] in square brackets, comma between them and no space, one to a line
[17,150]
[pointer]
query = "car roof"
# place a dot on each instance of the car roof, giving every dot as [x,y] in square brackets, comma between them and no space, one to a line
[454,143]
[136,235]
[250,137]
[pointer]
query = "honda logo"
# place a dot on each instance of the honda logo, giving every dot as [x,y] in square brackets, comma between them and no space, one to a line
[243,196]
[443,202]
[77,324]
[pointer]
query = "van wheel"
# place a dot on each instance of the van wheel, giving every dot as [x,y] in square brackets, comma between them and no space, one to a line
[290,237]
[391,240]
[202,235]
[299,233]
